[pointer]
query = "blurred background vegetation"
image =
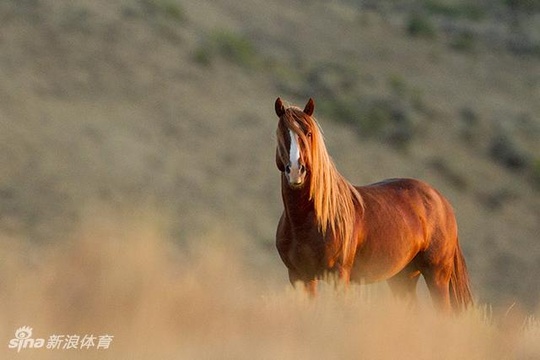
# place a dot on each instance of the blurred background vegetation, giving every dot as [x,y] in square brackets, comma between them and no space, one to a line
[168,104]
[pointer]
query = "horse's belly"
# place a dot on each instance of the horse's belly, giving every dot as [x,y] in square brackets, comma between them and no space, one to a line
[370,268]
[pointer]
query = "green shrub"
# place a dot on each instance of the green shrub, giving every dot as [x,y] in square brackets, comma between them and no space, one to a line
[506,152]
[524,5]
[420,25]
[342,109]
[459,10]
[388,120]
[234,47]
[398,84]
[173,10]
[464,41]
[170,9]
[402,90]
[203,55]
[469,124]
[376,117]
[230,46]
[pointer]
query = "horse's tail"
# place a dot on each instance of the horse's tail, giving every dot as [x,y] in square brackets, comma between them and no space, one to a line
[460,288]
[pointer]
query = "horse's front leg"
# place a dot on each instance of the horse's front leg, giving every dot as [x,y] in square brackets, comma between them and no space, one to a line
[310,285]
[342,279]
[344,276]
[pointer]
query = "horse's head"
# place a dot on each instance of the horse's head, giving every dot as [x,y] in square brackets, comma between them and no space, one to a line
[295,133]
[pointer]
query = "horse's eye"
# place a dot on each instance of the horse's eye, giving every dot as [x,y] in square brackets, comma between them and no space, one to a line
[308,134]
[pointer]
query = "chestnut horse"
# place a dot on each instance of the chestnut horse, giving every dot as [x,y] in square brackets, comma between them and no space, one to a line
[393,230]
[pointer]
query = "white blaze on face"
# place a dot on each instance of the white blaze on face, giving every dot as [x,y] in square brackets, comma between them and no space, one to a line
[294,152]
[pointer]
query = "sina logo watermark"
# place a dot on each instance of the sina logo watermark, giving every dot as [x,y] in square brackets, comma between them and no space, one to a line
[23,340]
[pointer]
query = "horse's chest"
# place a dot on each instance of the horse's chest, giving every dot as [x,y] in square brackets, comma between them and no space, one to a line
[316,256]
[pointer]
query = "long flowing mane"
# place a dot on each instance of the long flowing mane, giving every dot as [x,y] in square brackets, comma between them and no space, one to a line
[335,200]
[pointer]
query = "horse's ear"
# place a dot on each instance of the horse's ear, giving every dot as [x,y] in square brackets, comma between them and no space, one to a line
[280,109]
[310,107]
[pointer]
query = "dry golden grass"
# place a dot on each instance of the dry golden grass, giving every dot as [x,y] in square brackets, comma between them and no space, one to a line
[122,276]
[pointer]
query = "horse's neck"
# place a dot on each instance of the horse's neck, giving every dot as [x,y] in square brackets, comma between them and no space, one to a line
[298,205]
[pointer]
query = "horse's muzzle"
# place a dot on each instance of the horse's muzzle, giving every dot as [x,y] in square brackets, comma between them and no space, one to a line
[295,175]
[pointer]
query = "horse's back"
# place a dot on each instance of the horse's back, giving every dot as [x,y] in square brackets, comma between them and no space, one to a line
[407,198]
[406,193]
[397,184]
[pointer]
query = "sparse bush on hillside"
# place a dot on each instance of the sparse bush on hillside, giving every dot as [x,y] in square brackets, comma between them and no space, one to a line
[464,41]
[203,55]
[378,115]
[76,19]
[455,10]
[405,92]
[235,48]
[167,8]
[340,96]
[388,120]
[398,85]
[456,22]
[522,43]
[496,199]
[506,152]
[523,5]
[450,174]
[332,79]
[420,25]
[165,16]
[469,124]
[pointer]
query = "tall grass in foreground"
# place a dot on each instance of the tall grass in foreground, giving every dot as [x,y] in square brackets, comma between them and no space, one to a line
[125,279]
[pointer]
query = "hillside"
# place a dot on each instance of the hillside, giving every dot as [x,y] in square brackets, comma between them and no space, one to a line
[168,105]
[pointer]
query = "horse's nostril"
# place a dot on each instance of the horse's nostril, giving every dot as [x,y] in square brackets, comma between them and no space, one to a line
[302,168]
[288,169]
